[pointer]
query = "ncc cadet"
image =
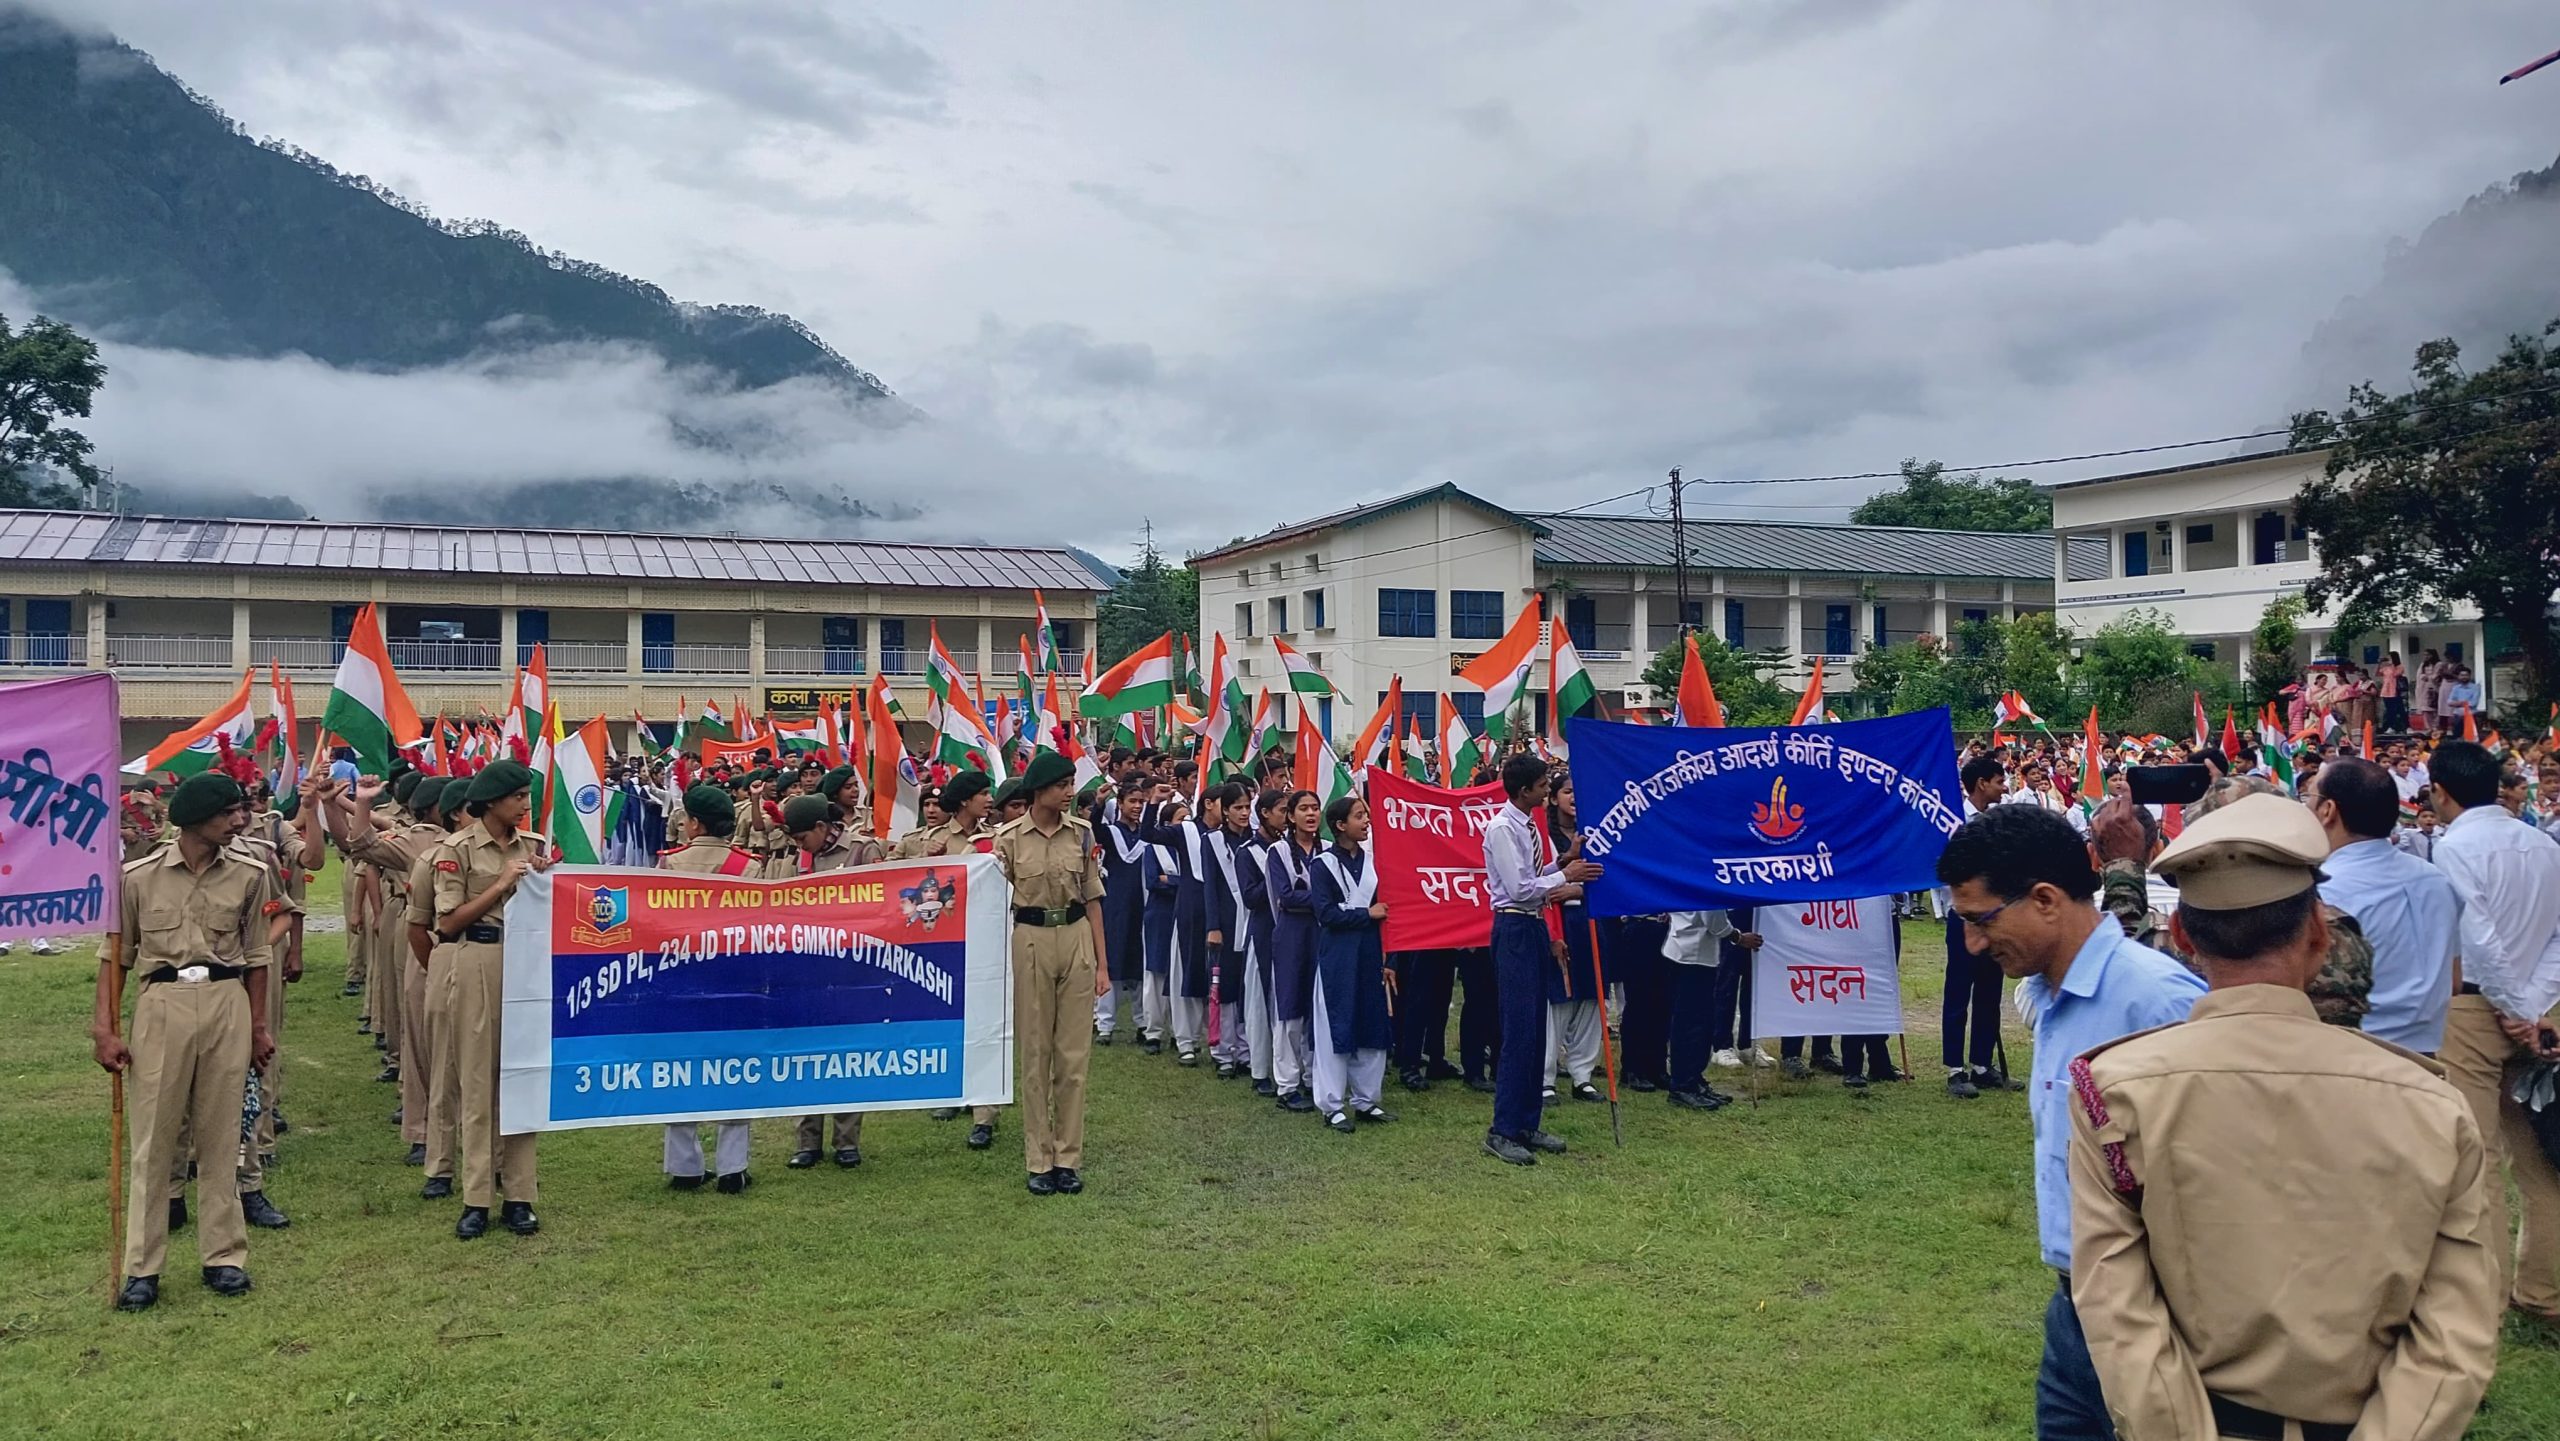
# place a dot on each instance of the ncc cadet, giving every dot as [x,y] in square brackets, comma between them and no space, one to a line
[2276,1222]
[829,842]
[394,848]
[259,1122]
[1048,856]
[194,935]
[1013,802]
[476,874]
[843,785]
[382,929]
[758,833]
[966,803]
[708,816]
[433,957]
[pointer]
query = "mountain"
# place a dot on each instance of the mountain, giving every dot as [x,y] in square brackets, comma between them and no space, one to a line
[2479,274]
[133,208]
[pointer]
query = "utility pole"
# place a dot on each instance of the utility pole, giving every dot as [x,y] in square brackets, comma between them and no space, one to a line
[1679,552]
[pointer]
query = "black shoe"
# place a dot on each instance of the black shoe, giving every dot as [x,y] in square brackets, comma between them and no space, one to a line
[388,1075]
[473,1225]
[364,1028]
[1066,1180]
[1887,1074]
[1793,1068]
[1503,1148]
[848,1157]
[1855,1083]
[686,1183]
[177,1213]
[1152,1048]
[1042,1183]
[517,1216]
[1297,1101]
[1443,1071]
[943,1113]
[397,1112]
[1695,1101]
[436,1189]
[1341,1121]
[417,1155]
[226,1280]
[1378,1114]
[281,1126]
[1414,1081]
[1102,1038]
[381,1042]
[982,1135]
[1546,1095]
[1828,1065]
[1480,1085]
[1227,1070]
[736,1183]
[1266,1087]
[352,988]
[1643,1083]
[802,1160]
[1585,1091]
[1187,1058]
[1960,1086]
[140,1293]
[1540,1141]
[1992,1078]
[1708,1090]
[260,1212]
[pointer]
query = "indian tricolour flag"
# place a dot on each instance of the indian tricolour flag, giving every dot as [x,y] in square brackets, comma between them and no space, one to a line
[587,807]
[1142,682]
[1458,753]
[1317,768]
[1417,759]
[1222,738]
[1047,661]
[896,790]
[963,735]
[1502,673]
[367,708]
[1569,689]
[1304,678]
[1377,738]
[801,735]
[199,746]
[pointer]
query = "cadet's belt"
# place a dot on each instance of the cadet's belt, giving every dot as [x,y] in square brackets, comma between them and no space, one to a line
[1047,915]
[2467,988]
[483,933]
[193,975]
[1516,911]
[2248,1423]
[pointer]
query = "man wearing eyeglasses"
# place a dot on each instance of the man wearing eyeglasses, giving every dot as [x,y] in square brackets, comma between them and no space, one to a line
[2023,882]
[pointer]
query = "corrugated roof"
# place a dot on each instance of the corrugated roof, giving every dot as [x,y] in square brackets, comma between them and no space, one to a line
[1623,542]
[1358,514]
[53,537]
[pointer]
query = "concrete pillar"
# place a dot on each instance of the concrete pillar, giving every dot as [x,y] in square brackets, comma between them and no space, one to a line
[755,649]
[1795,618]
[97,654]
[2009,600]
[507,661]
[1639,622]
[987,647]
[239,635]
[1938,608]
[631,642]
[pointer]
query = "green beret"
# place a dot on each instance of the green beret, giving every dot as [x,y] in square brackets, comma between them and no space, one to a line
[834,781]
[711,806]
[801,814]
[501,780]
[423,795]
[202,796]
[1010,792]
[1046,769]
[456,794]
[406,786]
[963,788]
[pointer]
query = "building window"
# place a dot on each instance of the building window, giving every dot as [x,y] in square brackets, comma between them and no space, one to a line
[1324,716]
[1975,615]
[1311,605]
[1538,711]
[2137,553]
[48,632]
[893,645]
[1279,605]
[1470,705]
[2200,534]
[1244,619]
[1475,615]
[4,630]
[1837,636]
[2200,649]
[533,628]
[1734,630]
[1411,614]
[1879,628]
[1275,572]
[841,635]
[657,641]
[1582,622]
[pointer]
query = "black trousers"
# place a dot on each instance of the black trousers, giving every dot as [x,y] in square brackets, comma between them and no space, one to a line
[1479,1015]
[1859,1055]
[1729,1012]
[1693,1020]
[1645,975]
[1426,981]
[1969,1011]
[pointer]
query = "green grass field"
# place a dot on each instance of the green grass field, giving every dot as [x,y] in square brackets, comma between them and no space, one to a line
[1819,1267]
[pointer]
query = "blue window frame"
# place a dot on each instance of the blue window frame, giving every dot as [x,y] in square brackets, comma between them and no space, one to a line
[1421,707]
[1581,621]
[533,627]
[1733,627]
[48,632]
[1879,630]
[842,637]
[342,623]
[2137,552]
[1470,704]
[1475,615]
[893,645]
[1324,716]
[4,631]
[657,641]
[1837,637]
[1412,614]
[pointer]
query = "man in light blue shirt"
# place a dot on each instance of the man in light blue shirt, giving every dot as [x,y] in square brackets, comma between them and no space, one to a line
[2023,883]
[2405,906]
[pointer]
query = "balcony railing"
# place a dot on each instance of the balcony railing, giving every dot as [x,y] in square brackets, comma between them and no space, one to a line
[814,660]
[1602,638]
[694,659]
[584,657]
[43,651]
[169,652]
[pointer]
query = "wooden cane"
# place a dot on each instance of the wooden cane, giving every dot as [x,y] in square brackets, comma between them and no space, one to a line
[112,952]
[1608,1057]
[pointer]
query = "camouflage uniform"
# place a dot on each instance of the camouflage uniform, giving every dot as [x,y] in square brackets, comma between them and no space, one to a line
[2339,993]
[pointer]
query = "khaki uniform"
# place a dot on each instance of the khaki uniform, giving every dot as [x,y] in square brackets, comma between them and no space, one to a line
[850,848]
[764,838]
[444,1069]
[396,853]
[469,862]
[2341,993]
[951,838]
[2481,1062]
[1056,871]
[351,889]
[190,1039]
[2282,1214]
[258,1134]
[706,856]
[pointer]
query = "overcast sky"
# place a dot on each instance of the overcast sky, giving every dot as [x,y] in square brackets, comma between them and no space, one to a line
[1228,265]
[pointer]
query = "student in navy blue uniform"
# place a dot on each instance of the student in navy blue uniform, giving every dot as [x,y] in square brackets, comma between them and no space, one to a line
[1227,931]
[1573,998]
[1163,932]
[1253,883]
[1182,842]
[1124,909]
[1293,950]
[1632,947]
[1353,1012]
[1479,1018]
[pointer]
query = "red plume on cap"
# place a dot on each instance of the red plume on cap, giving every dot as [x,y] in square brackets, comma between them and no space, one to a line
[773,810]
[522,753]
[233,764]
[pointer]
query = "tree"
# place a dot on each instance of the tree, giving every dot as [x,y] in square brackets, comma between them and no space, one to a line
[2449,493]
[1930,497]
[1152,598]
[1741,679]
[2271,649]
[47,371]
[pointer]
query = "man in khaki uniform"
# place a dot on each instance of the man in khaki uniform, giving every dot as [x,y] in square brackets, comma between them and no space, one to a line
[433,959]
[383,971]
[194,936]
[476,874]
[966,802]
[709,815]
[759,834]
[1056,874]
[2275,1222]
[830,843]
[395,849]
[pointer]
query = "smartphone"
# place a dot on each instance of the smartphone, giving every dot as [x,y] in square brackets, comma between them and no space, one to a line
[2167,785]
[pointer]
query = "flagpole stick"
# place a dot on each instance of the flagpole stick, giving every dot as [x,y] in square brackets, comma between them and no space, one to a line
[112,955]
[1608,1055]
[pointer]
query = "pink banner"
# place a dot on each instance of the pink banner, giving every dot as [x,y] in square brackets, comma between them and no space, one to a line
[60,852]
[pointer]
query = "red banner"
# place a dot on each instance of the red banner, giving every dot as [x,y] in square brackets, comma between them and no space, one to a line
[1429,848]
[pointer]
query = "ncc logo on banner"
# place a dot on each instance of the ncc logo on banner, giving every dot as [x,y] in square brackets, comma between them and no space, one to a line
[1687,819]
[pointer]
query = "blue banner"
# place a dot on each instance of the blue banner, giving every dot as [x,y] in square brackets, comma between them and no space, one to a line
[1684,819]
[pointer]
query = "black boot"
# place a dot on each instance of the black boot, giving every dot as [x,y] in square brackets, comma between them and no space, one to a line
[517,1216]
[261,1212]
[140,1293]
[733,1184]
[473,1225]
[982,1135]
[436,1189]
[226,1280]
